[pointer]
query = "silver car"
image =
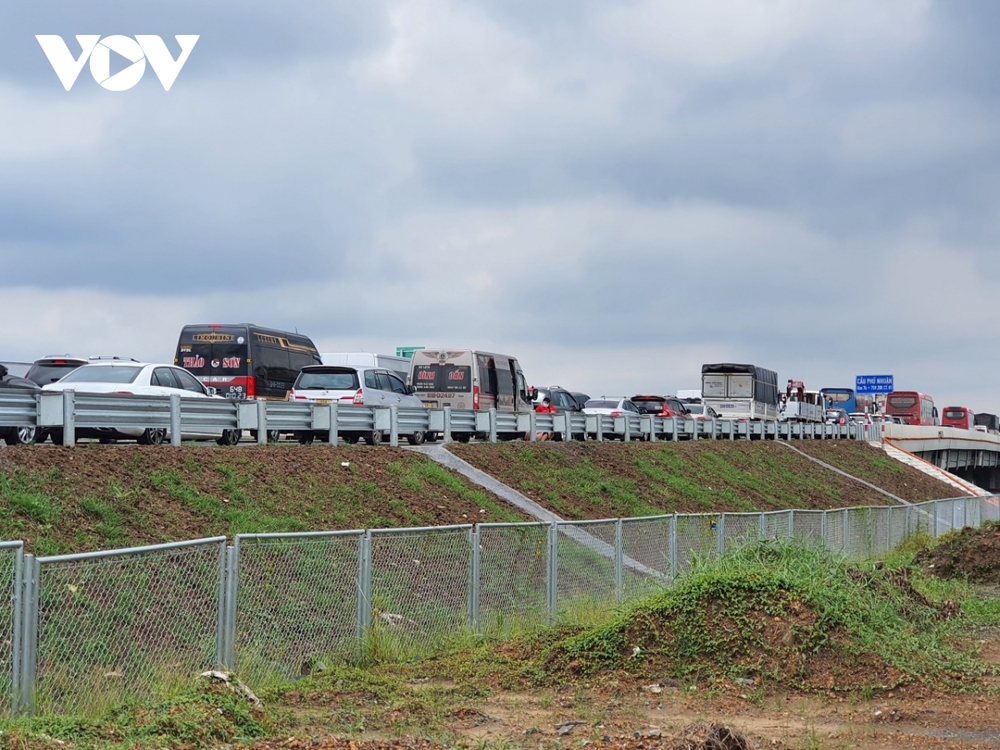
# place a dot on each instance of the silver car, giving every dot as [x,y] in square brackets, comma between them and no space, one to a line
[354,386]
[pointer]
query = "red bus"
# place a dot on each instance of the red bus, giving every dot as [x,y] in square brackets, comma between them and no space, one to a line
[958,416]
[911,407]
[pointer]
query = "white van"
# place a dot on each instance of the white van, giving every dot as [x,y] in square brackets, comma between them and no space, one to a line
[469,379]
[399,365]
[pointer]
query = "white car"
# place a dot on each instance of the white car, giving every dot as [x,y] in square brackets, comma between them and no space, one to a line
[131,378]
[354,386]
[611,407]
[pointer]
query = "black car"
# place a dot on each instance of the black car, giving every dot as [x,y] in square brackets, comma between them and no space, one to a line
[17,435]
[50,369]
[559,397]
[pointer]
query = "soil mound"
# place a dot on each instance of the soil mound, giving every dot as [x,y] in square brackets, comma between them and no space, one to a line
[972,554]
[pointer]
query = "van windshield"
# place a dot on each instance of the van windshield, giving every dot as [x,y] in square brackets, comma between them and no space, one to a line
[442,378]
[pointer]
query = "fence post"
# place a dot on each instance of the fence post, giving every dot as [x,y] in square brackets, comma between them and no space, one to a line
[29,636]
[474,552]
[493,424]
[232,587]
[532,437]
[175,419]
[69,418]
[822,529]
[364,615]
[619,561]
[673,547]
[651,421]
[332,437]
[720,534]
[220,610]
[552,579]
[673,427]
[15,644]
[394,425]
[446,438]
[712,420]
[847,514]
[261,422]
[791,522]
[599,418]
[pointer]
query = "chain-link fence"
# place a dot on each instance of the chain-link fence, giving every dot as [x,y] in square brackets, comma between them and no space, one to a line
[118,624]
[293,602]
[86,631]
[11,568]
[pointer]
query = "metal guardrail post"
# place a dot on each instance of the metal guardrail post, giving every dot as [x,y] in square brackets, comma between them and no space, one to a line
[694,430]
[394,425]
[175,419]
[619,561]
[474,554]
[446,436]
[261,422]
[599,430]
[650,421]
[673,428]
[493,424]
[332,438]
[627,431]
[712,422]
[69,417]
[532,419]
[552,577]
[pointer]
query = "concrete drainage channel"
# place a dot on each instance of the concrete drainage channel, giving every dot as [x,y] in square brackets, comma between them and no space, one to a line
[443,456]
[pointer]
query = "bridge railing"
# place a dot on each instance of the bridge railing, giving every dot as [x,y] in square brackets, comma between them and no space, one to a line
[82,632]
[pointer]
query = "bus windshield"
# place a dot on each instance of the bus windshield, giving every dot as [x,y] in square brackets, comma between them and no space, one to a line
[218,358]
[902,402]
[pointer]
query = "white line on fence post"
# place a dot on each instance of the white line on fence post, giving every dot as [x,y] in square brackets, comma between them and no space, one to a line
[175,419]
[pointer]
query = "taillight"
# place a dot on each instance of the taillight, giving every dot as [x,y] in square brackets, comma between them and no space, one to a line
[475,397]
[359,398]
[616,414]
[297,397]
[251,386]
[123,393]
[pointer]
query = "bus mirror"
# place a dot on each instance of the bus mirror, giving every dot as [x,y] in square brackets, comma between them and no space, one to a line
[411,389]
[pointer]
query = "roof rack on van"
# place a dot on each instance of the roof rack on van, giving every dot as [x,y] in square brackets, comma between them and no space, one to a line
[103,358]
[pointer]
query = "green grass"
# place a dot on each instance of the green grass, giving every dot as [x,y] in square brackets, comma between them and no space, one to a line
[709,624]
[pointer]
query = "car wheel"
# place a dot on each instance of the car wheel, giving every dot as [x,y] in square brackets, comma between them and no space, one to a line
[374,437]
[350,439]
[153,436]
[56,435]
[230,437]
[306,438]
[273,436]
[463,437]
[24,436]
[107,440]
[417,438]
[430,437]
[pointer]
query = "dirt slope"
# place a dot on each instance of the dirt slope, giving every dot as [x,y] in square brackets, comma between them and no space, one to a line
[99,497]
[601,480]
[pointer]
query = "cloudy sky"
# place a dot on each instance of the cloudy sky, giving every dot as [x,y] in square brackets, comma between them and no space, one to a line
[614,192]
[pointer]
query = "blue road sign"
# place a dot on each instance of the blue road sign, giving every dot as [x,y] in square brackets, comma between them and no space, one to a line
[873,384]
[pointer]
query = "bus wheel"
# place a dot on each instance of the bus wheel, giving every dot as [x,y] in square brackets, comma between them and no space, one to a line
[273,436]
[417,438]
[306,438]
[431,437]
[374,437]
[463,437]
[350,439]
